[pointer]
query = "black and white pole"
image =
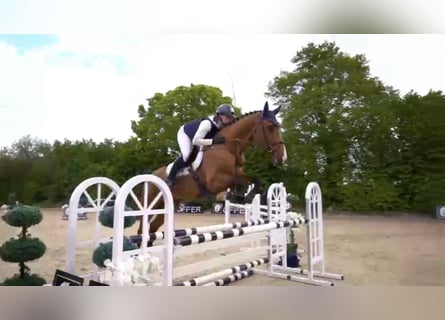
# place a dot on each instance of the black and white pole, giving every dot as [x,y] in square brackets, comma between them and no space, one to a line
[197,230]
[232,233]
[232,278]
[199,281]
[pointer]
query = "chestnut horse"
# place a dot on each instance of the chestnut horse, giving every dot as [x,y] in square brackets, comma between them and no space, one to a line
[219,167]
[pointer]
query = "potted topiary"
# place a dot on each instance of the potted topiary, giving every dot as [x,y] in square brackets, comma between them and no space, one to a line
[292,254]
[24,248]
[104,251]
[292,248]
[293,260]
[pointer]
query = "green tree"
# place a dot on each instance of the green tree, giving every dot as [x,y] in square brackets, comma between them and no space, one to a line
[372,174]
[317,97]
[157,125]
[20,165]
[421,165]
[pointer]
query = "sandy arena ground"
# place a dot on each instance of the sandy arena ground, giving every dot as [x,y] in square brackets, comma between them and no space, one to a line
[367,250]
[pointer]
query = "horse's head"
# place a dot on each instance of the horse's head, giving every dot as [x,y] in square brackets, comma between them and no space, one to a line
[267,135]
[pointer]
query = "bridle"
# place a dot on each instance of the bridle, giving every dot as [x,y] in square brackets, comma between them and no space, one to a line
[270,147]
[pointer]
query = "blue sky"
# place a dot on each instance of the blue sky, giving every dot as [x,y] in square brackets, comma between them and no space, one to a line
[89,85]
[25,42]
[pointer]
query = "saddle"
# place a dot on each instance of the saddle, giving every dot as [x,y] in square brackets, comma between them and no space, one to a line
[194,162]
[190,167]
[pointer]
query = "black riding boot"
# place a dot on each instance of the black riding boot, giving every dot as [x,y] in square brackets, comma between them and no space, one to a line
[179,163]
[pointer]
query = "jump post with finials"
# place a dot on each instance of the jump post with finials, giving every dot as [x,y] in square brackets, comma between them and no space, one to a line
[100,184]
[253,210]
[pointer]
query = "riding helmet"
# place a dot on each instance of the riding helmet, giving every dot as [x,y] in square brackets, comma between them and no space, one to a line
[226,110]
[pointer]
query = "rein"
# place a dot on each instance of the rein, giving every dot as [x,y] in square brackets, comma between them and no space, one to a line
[249,139]
[243,142]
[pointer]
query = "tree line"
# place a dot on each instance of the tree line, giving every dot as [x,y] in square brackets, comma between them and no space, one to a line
[370,148]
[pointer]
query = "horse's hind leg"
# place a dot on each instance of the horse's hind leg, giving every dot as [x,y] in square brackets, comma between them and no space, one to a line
[157,222]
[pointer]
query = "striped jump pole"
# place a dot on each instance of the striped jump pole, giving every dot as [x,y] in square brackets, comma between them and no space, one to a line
[232,278]
[223,273]
[216,227]
[197,230]
[224,234]
[289,277]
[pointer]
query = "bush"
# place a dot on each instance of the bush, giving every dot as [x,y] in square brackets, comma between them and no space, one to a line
[106,218]
[24,248]
[105,250]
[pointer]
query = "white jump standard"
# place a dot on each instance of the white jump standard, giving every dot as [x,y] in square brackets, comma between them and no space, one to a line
[276,229]
[103,186]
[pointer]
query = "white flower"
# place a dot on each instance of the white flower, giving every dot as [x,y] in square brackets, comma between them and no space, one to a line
[294,215]
[134,271]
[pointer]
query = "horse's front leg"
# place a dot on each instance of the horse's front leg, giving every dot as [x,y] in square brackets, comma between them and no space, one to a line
[242,181]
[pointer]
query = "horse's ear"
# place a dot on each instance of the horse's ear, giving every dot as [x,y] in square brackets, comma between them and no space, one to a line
[266,108]
[275,112]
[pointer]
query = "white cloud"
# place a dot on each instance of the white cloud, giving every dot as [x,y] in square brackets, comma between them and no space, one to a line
[404,61]
[46,16]
[90,86]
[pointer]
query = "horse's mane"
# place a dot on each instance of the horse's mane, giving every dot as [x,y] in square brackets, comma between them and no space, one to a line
[237,119]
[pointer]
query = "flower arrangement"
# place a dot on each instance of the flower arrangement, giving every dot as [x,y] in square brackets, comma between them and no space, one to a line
[294,215]
[138,270]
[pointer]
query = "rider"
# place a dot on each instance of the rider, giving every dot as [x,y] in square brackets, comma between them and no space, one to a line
[200,132]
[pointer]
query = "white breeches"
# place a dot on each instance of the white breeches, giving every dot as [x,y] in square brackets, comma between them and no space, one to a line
[185,144]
